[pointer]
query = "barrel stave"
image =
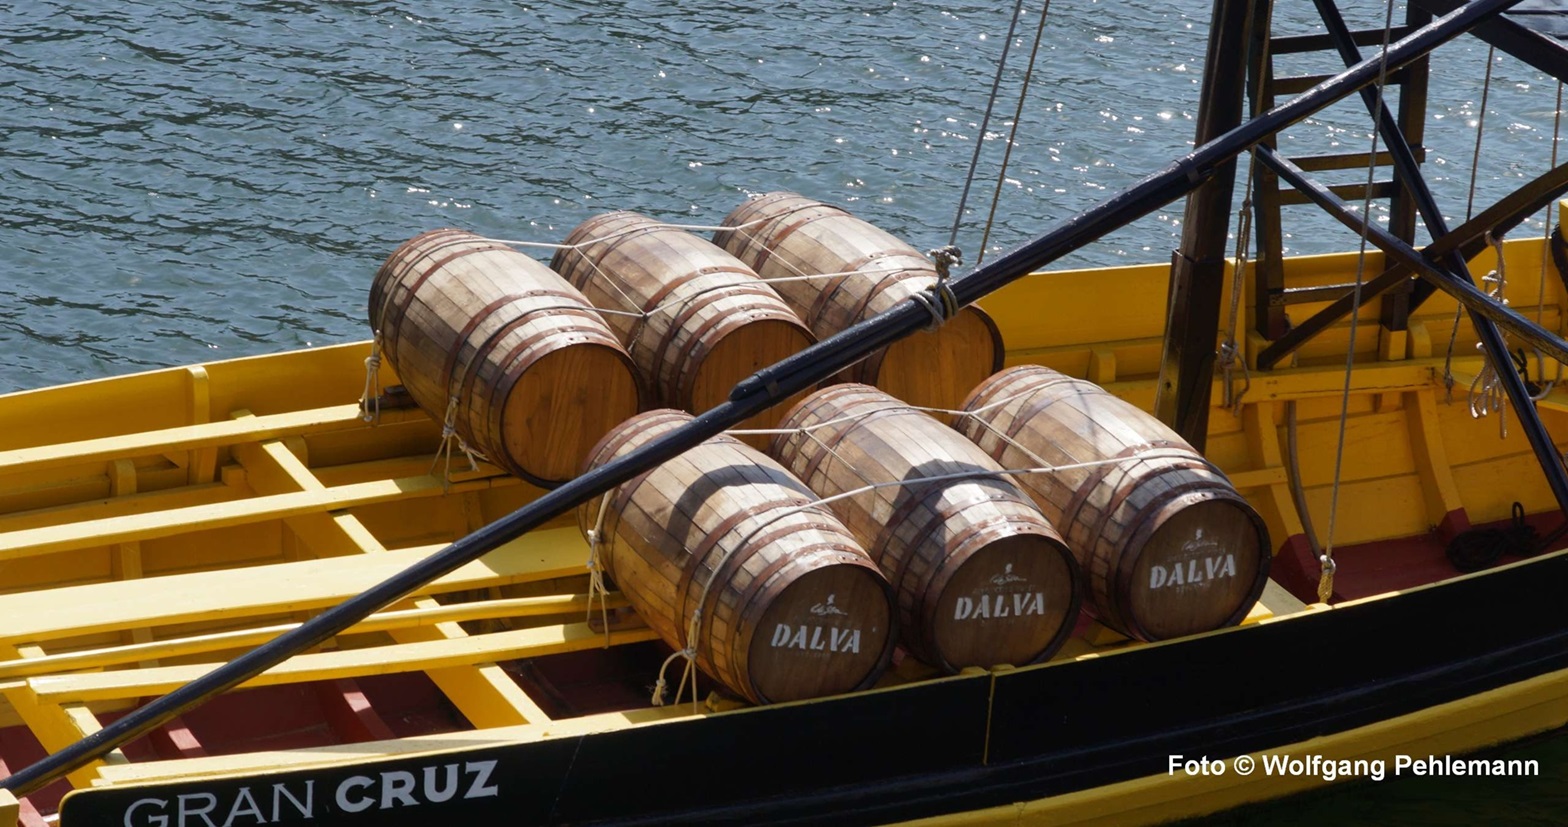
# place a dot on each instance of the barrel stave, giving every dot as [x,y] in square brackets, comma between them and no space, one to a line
[705,321]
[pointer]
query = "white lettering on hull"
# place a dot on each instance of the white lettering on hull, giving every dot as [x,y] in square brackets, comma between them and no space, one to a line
[388,789]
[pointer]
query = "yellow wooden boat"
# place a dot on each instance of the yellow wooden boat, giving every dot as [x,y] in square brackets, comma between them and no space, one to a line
[429,657]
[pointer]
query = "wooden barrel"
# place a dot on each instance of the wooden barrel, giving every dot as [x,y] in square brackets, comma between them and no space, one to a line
[792,607]
[982,578]
[708,321]
[1168,546]
[537,376]
[783,235]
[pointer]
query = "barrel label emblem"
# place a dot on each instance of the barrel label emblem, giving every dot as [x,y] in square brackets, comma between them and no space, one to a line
[1204,562]
[827,608]
[816,638]
[1007,576]
[998,605]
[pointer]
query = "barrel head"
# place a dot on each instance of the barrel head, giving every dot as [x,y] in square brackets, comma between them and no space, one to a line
[827,632]
[936,369]
[1012,601]
[1202,568]
[575,395]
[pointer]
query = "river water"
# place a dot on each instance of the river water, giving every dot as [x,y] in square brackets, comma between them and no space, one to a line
[188,181]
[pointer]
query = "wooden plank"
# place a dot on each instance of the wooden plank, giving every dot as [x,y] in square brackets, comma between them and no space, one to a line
[376,660]
[484,693]
[170,522]
[512,607]
[55,726]
[194,437]
[279,587]
[1439,491]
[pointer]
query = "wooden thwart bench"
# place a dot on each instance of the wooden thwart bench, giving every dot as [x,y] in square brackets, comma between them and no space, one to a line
[376,660]
[35,617]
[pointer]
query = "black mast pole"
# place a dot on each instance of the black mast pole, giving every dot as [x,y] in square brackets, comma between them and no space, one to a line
[1198,267]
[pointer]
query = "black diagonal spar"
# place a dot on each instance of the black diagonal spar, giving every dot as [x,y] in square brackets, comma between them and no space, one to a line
[763,389]
[1486,313]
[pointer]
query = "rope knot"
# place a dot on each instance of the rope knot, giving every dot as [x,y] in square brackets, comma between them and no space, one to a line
[945,257]
[1228,363]
[1326,578]
[449,437]
[939,300]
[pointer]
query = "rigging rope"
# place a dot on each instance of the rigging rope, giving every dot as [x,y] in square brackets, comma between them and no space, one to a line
[1012,134]
[1486,389]
[985,122]
[1475,165]
[1546,243]
[1326,559]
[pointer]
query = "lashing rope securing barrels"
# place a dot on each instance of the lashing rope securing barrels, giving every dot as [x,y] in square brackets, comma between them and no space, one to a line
[449,437]
[370,397]
[939,300]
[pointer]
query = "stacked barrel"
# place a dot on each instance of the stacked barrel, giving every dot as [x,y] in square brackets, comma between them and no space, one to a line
[1167,545]
[836,270]
[869,524]
[501,349]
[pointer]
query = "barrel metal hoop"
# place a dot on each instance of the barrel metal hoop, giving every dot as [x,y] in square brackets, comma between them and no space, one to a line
[479,317]
[397,311]
[1098,474]
[766,249]
[711,539]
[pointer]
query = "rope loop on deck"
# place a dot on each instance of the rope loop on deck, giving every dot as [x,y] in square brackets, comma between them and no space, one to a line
[596,587]
[688,672]
[449,438]
[370,397]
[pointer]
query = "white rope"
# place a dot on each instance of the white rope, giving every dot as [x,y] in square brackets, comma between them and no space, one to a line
[449,437]
[1229,350]
[596,587]
[370,397]
[1475,166]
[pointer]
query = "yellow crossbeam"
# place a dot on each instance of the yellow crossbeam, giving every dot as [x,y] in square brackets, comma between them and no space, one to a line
[169,522]
[273,588]
[192,437]
[376,660]
[217,641]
